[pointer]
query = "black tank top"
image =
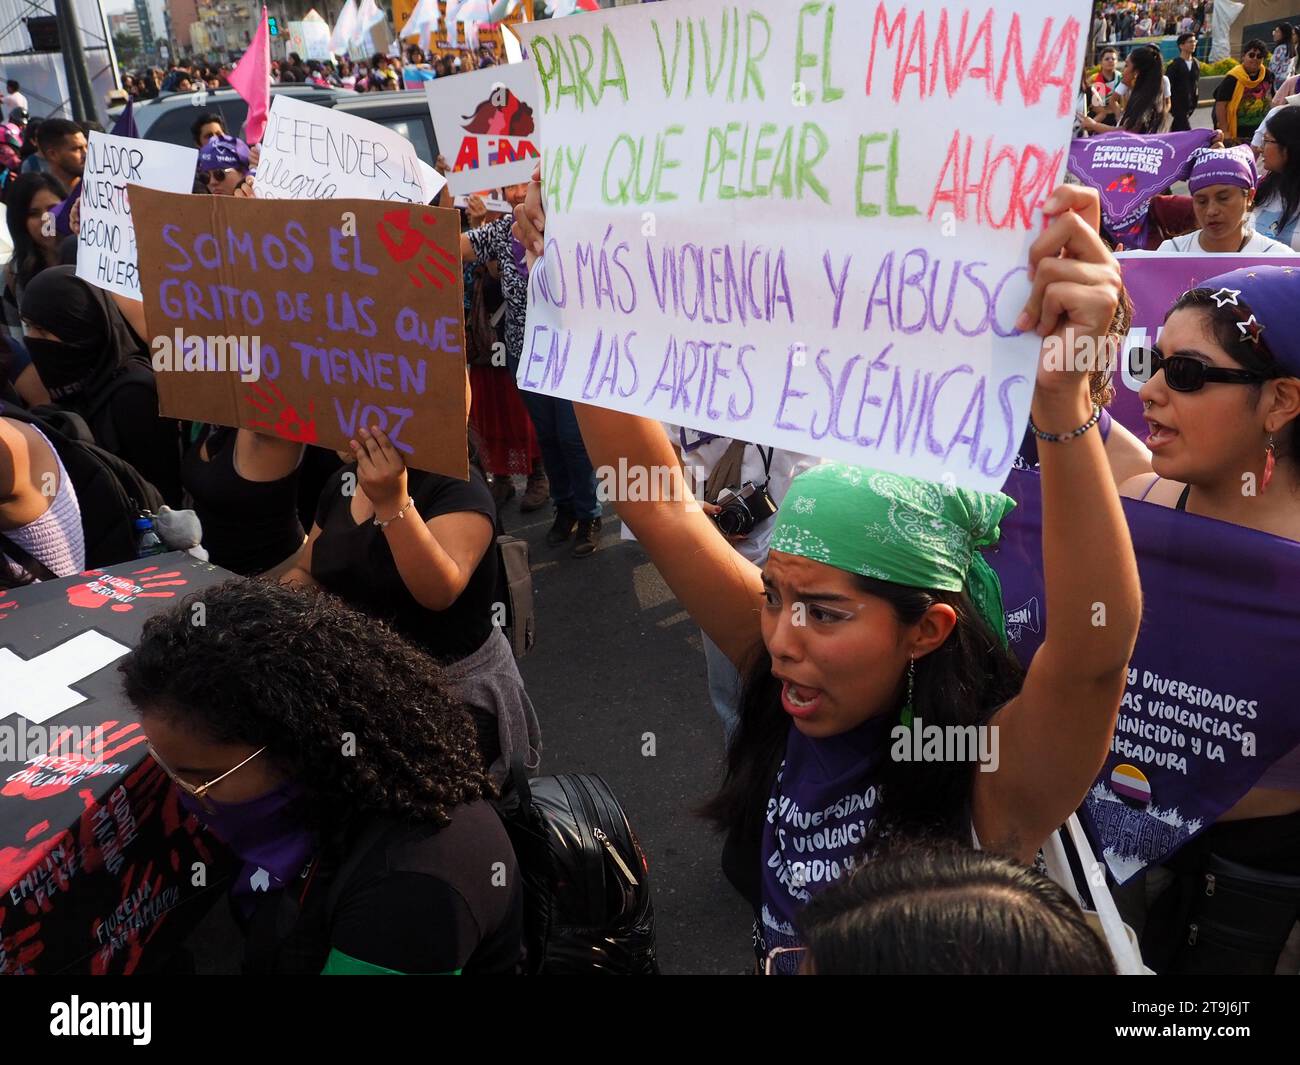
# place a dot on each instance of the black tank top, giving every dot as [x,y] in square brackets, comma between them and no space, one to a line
[248,526]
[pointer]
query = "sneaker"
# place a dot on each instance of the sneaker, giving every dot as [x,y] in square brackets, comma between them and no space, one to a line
[588,533]
[563,528]
[536,494]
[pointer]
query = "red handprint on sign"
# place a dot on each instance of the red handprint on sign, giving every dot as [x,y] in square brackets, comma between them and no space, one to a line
[282,417]
[122,591]
[7,607]
[408,243]
[65,766]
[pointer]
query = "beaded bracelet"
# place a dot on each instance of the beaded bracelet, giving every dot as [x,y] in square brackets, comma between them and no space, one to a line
[1065,438]
[400,514]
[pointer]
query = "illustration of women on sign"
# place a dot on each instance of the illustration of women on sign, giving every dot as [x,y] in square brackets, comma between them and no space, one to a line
[501,114]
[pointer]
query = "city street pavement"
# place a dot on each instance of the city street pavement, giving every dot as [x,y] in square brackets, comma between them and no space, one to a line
[617,658]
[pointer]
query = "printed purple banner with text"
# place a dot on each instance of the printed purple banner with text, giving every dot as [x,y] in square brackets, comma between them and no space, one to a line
[1130,170]
[1210,703]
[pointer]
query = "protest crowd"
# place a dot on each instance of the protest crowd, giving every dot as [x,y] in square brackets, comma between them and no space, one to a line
[349,721]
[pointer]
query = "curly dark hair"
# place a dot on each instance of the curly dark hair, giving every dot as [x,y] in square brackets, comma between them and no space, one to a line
[294,671]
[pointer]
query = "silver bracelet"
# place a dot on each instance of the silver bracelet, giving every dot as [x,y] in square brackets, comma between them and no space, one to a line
[410,502]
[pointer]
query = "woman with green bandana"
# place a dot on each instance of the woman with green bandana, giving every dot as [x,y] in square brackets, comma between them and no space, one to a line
[875,618]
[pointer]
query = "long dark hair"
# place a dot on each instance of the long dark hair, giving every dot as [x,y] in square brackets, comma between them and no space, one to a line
[939,908]
[28,260]
[299,672]
[1284,127]
[962,682]
[1144,111]
[1257,358]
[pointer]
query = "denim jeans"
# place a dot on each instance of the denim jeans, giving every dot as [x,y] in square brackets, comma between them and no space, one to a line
[573,481]
[724,686]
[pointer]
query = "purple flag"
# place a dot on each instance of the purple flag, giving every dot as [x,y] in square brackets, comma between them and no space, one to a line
[1155,282]
[125,124]
[1210,703]
[1130,170]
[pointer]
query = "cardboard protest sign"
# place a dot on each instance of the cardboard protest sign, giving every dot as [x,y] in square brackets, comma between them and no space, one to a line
[485,124]
[1154,283]
[1207,709]
[1130,170]
[802,226]
[106,241]
[96,853]
[309,321]
[314,153]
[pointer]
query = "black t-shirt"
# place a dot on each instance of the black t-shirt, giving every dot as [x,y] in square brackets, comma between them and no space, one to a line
[413,900]
[355,563]
[248,526]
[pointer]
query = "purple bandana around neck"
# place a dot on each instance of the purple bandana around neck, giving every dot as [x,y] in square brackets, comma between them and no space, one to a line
[1130,170]
[265,833]
[825,799]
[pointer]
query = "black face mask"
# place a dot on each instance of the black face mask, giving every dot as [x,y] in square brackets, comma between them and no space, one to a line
[64,368]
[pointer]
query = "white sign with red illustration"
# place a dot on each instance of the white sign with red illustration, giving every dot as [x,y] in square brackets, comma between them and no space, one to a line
[484,121]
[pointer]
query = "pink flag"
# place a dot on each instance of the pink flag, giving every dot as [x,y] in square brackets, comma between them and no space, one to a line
[251,78]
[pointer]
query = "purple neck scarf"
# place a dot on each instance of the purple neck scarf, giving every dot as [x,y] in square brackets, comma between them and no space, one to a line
[824,802]
[267,833]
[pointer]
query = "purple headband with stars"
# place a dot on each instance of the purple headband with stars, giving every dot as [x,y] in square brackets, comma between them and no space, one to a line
[1267,296]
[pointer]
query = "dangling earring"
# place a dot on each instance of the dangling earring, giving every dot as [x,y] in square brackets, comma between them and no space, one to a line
[1270,460]
[911,685]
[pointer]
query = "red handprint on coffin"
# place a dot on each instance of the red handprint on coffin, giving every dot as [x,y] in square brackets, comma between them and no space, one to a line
[279,416]
[411,241]
[64,762]
[122,592]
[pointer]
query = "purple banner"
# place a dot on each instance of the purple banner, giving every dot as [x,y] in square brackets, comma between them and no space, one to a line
[1210,702]
[1130,170]
[1155,282]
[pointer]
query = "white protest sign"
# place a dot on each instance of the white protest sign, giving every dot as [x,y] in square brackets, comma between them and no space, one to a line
[484,121]
[106,238]
[804,226]
[310,152]
[493,200]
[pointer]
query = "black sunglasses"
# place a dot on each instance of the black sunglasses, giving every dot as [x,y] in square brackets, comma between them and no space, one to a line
[1184,373]
[218,175]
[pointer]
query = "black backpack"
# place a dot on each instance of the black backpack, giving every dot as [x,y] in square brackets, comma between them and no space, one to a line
[110,491]
[587,906]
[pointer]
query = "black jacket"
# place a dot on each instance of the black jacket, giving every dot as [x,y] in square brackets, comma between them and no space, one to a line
[1184,85]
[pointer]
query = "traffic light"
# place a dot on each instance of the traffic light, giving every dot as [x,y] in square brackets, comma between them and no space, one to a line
[273,25]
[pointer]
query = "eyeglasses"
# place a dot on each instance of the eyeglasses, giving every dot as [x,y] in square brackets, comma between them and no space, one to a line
[1254,55]
[199,793]
[770,962]
[217,175]
[1183,373]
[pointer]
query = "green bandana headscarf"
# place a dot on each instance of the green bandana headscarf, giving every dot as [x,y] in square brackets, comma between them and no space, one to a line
[897,529]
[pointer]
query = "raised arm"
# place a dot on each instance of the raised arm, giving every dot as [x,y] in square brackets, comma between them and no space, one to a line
[1054,736]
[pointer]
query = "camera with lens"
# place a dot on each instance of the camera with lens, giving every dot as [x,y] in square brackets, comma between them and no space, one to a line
[742,511]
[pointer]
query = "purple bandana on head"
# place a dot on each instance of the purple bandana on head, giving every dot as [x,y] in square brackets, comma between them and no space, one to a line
[1267,296]
[1223,166]
[1130,170]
